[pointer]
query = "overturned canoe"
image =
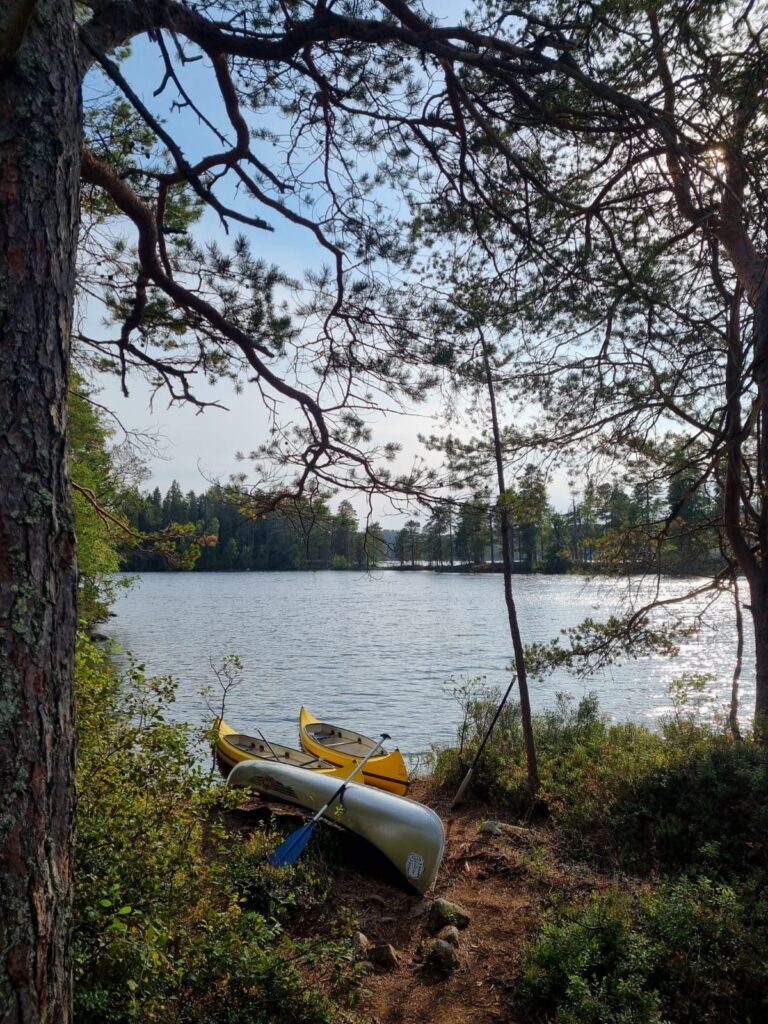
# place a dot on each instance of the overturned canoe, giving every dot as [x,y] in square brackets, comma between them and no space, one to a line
[233,747]
[344,747]
[409,834]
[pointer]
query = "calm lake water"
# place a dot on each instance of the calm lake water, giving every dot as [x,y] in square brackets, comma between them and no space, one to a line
[378,652]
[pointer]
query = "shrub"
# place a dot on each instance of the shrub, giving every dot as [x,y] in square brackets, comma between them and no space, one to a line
[175,919]
[691,953]
[687,798]
[705,811]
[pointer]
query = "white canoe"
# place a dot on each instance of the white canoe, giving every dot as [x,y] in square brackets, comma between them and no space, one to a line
[409,834]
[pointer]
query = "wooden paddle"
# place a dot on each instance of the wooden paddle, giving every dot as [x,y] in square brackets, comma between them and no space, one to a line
[289,851]
[465,781]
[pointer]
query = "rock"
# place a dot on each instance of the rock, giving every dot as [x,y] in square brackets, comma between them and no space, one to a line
[360,943]
[492,828]
[501,828]
[379,901]
[420,909]
[441,955]
[516,832]
[384,956]
[443,912]
[449,934]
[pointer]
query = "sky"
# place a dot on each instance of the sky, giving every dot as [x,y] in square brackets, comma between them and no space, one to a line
[195,448]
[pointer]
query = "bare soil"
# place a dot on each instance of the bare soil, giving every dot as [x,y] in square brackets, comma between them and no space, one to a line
[504,882]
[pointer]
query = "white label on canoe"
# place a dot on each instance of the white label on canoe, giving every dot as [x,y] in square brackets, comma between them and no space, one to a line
[414,865]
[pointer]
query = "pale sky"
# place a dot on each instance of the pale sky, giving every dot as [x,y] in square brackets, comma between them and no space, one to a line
[198,447]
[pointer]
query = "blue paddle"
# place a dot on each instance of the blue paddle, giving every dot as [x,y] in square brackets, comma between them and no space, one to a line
[289,851]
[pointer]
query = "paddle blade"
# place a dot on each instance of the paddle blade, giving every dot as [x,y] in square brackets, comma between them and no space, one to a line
[290,849]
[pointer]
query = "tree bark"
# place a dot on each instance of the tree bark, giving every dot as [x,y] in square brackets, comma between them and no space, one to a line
[507,555]
[40,124]
[752,558]
[758,582]
[759,605]
[733,716]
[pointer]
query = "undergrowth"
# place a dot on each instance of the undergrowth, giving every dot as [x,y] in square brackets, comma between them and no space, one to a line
[677,819]
[690,952]
[176,918]
[685,798]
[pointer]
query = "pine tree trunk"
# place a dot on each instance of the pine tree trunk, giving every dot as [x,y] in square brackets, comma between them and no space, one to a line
[39,168]
[733,716]
[759,600]
[758,580]
[507,551]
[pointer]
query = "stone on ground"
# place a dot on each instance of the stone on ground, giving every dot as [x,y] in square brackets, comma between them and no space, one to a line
[441,955]
[449,934]
[384,956]
[443,912]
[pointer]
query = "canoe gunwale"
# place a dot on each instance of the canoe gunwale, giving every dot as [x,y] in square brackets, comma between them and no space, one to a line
[384,771]
[233,753]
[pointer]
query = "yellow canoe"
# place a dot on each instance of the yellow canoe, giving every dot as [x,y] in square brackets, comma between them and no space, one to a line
[233,747]
[344,747]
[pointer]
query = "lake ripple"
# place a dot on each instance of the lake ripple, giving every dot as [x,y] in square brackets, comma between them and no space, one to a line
[376,652]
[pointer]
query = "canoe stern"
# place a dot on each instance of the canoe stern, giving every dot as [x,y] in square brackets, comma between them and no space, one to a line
[409,834]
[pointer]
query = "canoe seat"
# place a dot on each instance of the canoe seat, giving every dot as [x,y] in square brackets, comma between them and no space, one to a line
[315,762]
[321,735]
[244,742]
[351,748]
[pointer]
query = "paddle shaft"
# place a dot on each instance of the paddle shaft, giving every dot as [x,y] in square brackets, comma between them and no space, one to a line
[264,738]
[479,754]
[358,768]
[290,850]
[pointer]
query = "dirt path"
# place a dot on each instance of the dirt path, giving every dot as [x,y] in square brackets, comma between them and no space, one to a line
[503,881]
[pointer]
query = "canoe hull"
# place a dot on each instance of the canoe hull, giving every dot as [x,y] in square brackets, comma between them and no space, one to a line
[387,772]
[409,834]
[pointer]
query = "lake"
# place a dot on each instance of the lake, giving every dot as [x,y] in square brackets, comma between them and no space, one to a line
[378,652]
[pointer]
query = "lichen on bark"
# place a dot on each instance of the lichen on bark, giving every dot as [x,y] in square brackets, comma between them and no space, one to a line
[40,129]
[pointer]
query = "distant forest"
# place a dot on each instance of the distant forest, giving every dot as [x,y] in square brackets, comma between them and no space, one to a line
[609,527]
[232,538]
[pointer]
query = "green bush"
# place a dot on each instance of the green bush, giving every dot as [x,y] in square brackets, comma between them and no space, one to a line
[277,894]
[176,919]
[579,752]
[690,953]
[706,811]
[687,798]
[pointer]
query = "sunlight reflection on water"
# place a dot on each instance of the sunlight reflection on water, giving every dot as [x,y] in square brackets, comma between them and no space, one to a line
[377,651]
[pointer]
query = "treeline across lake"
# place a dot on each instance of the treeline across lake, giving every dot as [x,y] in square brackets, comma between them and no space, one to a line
[608,527]
[231,536]
[612,526]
